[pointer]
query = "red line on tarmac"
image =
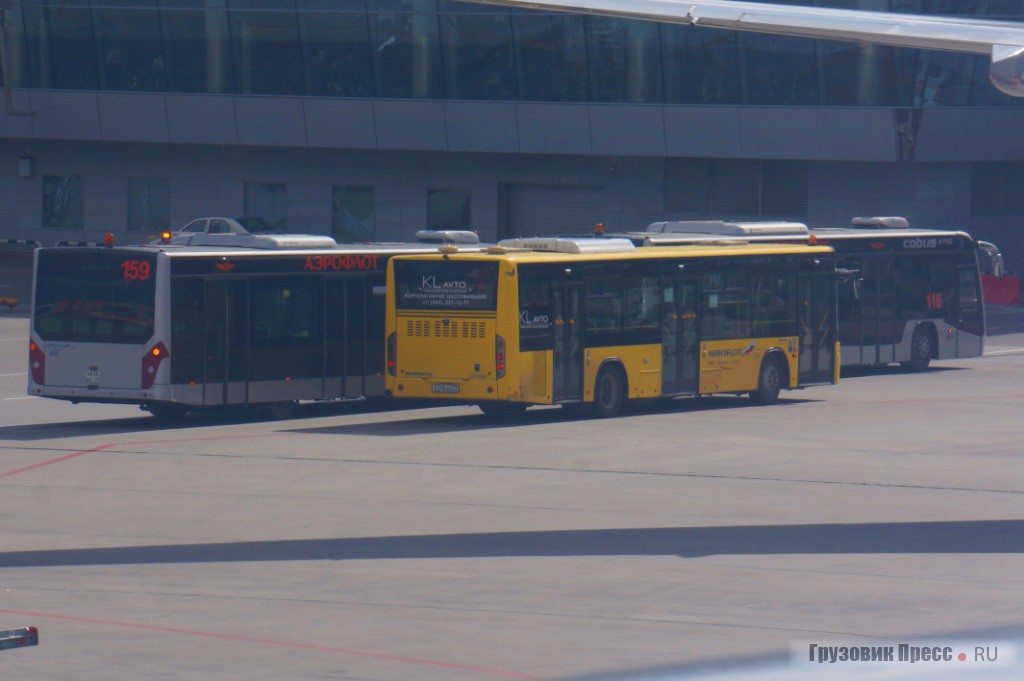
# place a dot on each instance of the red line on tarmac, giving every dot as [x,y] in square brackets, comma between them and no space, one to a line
[58,460]
[100,448]
[284,644]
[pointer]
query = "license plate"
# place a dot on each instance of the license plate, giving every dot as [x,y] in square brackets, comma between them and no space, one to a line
[447,388]
[92,377]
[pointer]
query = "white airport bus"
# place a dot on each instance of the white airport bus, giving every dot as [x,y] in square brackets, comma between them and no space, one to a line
[255,322]
[906,295]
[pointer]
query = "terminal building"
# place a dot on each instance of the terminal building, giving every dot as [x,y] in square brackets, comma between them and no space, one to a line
[373,119]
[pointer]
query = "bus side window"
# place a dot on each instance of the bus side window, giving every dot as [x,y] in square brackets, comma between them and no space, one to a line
[603,304]
[773,312]
[726,307]
[641,304]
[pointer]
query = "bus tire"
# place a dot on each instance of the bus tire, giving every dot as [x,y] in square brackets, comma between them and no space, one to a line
[166,412]
[921,349]
[503,411]
[609,391]
[769,380]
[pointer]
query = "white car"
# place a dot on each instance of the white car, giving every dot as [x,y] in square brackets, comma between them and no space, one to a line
[248,232]
[219,225]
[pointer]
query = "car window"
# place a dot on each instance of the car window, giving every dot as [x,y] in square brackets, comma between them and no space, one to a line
[195,226]
[219,227]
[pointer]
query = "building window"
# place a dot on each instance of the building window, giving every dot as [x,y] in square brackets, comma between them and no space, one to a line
[198,51]
[62,43]
[269,201]
[736,187]
[448,209]
[339,59]
[353,214]
[702,66]
[480,52]
[624,60]
[550,51]
[149,204]
[63,202]
[779,70]
[407,48]
[996,189]
[131,49]
[267,52]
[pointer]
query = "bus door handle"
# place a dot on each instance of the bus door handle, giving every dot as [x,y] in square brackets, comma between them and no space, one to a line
[588,357]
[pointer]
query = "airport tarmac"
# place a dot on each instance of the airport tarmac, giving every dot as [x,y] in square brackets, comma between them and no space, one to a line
[430,544]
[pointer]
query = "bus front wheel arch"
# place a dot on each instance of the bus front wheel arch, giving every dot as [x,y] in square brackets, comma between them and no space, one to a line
[771,379]
[610,390]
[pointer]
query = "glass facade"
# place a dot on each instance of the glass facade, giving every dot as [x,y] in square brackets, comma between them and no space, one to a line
[442,49]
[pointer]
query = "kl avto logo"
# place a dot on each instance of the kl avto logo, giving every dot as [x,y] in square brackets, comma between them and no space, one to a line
[430,283]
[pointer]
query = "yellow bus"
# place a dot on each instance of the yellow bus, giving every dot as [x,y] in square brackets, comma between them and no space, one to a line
[596,322]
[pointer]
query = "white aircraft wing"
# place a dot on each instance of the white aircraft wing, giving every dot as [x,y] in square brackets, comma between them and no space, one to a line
[1002,40]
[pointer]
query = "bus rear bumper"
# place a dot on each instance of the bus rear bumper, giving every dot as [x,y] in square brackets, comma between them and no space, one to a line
[472,390]
[108,395]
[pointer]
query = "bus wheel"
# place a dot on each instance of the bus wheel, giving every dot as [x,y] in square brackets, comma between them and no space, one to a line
[769,382]
[609,392]
[920,350]
[503,411]
[166,412]
[277,411]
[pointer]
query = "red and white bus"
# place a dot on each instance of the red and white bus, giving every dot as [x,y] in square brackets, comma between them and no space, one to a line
[176,329]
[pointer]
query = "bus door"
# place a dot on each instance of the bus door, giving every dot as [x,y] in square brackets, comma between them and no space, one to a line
[227,341]
[345,342]
[970,319]
[880,325]
[816,293]
[567,370]
[679,340]
[353,357]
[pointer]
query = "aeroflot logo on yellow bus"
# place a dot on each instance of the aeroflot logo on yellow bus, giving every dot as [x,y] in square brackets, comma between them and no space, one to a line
[732,352]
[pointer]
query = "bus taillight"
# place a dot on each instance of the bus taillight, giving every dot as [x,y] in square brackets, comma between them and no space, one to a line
[37,363]
[499,356]
[392,353]
[151,362]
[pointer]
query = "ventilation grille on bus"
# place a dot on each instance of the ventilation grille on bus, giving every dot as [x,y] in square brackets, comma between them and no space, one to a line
[438,329]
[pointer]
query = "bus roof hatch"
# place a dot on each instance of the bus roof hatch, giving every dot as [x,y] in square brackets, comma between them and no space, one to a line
[727,228]
[555,244]
[447,236]
[890,222]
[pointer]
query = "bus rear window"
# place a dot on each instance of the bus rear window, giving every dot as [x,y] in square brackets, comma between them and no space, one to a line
[96,295]
[446,285]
